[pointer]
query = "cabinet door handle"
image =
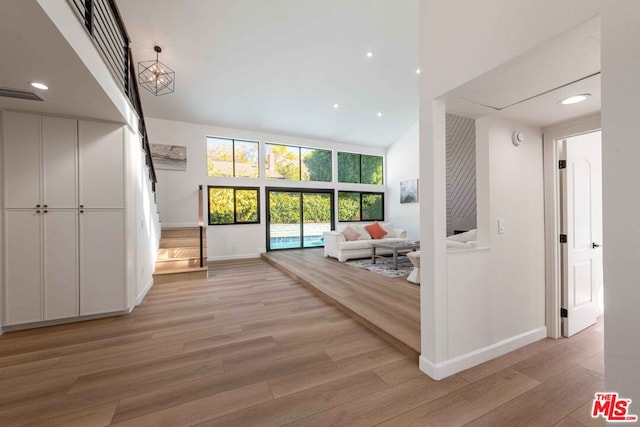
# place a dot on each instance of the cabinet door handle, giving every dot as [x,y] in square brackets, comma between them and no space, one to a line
[81,211]
[38,211]
[37,206]
[81,206]
[45,211]
[45,206]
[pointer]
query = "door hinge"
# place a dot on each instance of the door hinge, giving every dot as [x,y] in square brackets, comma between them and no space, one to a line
[563,238]
[564,312]
[562,164]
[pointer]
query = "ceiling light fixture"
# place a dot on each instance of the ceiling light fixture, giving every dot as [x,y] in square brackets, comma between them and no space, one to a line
[379,113]
[39,85]
[575,99]
[156,77]
[370,54]
[417,70]
[336,106]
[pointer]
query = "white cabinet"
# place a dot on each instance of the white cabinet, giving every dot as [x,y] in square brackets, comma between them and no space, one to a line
[101,165]
[60,267]
[102,261]
[64,218]
[22,160]
[60,163]
[23,272]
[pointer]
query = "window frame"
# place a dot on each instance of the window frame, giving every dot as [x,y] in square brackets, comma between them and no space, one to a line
[300,161]
[360,156]
[233,153]
[235,214]
[361,193]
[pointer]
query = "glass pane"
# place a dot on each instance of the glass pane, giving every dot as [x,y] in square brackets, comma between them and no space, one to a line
[219,157]
[371,169]
[246,158]
[284,224]
[282,162]
[348,167]
[372,207]
[316,210]
[348,206]
[220,206]
[316,165]
[246,206]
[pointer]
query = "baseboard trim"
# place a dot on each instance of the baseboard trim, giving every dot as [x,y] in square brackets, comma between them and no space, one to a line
[144,292]
[441,370]
[178,224]
[46,323]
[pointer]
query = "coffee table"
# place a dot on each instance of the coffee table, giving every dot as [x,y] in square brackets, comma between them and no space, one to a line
[396,247]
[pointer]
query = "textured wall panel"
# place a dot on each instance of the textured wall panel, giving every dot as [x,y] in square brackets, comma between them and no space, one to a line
[461,173]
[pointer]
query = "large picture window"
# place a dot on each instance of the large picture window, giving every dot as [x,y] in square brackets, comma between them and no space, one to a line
[360,206]
[297,163]
[234,205]
[232,158]
[360,168]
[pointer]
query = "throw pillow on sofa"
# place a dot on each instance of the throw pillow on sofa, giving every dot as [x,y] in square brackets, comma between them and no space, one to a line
[375,230]
[350,234]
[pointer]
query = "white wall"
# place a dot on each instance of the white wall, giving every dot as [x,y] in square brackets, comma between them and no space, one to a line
[621,197]
[403,163]
[178,190]
[479,37]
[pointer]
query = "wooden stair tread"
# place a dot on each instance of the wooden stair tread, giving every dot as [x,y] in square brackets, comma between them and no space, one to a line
[178,259]
[180,270]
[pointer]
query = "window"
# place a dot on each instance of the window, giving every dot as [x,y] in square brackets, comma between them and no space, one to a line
[234,205]
[359,168]
[359,206]
[297,163]
[232,158]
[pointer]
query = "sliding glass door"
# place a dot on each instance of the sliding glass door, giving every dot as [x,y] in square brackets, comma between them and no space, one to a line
[297,218]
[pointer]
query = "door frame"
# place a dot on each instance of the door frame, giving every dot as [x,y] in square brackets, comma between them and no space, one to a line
[552,218]
[267,190]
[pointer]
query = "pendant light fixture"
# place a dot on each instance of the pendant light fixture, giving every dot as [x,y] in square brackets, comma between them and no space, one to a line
[156,77]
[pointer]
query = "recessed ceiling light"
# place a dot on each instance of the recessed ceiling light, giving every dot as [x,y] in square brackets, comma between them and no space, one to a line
[370,54]
[39,85]
[379,113]
[575,99]
[417,70]
[336,106]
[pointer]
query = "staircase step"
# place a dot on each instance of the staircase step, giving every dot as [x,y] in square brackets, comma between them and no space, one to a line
[179,242]
[180,275]
[181,232]
[173,264]
[180,252]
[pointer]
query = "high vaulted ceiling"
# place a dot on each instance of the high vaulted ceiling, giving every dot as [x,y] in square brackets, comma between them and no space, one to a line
[281,65]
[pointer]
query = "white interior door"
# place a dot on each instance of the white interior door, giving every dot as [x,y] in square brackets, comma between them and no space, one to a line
[582,223]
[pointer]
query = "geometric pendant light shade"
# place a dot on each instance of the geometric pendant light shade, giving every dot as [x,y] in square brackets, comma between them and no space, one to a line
[156,77]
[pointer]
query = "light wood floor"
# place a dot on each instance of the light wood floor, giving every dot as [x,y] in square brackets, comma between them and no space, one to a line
[249,346]
[388,306]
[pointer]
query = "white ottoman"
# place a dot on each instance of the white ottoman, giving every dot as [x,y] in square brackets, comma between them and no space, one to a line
[414,257]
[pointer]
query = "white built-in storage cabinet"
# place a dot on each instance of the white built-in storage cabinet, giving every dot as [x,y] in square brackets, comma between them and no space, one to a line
[64,213]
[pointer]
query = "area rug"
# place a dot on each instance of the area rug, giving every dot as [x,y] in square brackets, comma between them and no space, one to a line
[385,266]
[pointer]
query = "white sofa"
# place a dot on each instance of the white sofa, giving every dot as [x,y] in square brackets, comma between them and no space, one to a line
[336,246]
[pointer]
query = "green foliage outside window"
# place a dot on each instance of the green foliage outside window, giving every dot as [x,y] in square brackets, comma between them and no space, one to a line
[230,157]
[316,207]
[316,165]
[356,206]
[360,168]
[372,207]
[284,207]
[348,206]
[297,163]
[348,167]
[229,205]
